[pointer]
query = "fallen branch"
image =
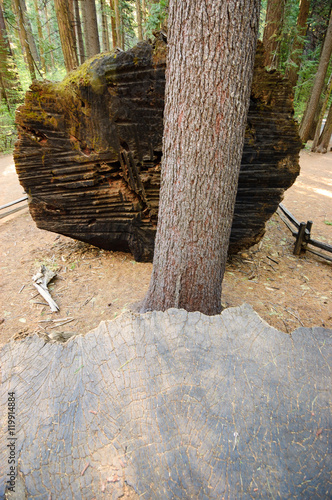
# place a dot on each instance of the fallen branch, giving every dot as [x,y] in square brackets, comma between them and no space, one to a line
[41,280]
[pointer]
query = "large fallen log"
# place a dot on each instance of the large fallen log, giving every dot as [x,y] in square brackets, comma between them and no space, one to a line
[169,405]
[90,147]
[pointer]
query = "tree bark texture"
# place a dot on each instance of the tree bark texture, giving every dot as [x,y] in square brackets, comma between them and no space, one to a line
[28,30]
[272,32]
[92,44]
[66,34]
[208,81]
[90,149]
[309,114]
[113,25]
[40,37]
[322,115]
[298,43]
[118,25]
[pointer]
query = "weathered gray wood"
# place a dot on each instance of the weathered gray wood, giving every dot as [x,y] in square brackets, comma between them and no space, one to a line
[174,405]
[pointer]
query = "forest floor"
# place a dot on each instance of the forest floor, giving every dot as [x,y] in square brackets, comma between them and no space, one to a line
[94,284]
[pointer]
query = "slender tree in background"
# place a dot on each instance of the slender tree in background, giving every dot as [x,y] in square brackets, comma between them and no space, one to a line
[310,112]
[92,45]
[118,25]
[317,136]
[104,23]
[139,20]
[40,36]
[113,25]
[9,83]
[48,29]
[272,32]
[24,38]
[78,31]
[28,31]
[211,55]
[324,139]
[298,43]
[66,34]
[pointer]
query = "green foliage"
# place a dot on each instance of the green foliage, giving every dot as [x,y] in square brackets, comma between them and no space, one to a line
[157,18]
[8,134]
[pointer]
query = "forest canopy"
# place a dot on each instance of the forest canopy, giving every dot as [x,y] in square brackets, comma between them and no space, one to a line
[45,39]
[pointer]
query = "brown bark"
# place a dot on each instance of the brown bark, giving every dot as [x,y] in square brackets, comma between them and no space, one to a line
[272,32]
[321,116]
[49,34]
[324,140]
[66,34]
[104,22]
[79,34]
[298,43]
[40,36]
[139,20]
[206,103]
[113,25]
[92,44]
[28,29]
[118,25]
[309,114]
[24,38]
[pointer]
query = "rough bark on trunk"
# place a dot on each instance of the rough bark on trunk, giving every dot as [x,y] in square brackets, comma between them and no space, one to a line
[118,25]
[272,32]
[90,147]
[28,30]
[66,34]
[298,43]
[309,114]
[206,103]
[322,115]
[49,34]
[139,20]
[91,28]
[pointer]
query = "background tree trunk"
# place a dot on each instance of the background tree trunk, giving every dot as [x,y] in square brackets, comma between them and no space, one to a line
[324,140]
[49,34]
[298,43]
[79,34]
[309,114]
[24,38]
[66,34]
[40,36]
[28,30]
[206,103]
[272,32]
[113,25]
[321,116]
[139,20]
[104,22]
[91,28]
[118,25]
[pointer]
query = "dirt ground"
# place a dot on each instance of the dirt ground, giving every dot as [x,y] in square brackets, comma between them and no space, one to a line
[94,285]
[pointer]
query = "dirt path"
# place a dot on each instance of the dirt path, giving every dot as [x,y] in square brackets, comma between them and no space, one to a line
[94,284]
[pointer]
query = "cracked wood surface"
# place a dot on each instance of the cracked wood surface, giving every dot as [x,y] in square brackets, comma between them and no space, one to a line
[89,151]
[172,405]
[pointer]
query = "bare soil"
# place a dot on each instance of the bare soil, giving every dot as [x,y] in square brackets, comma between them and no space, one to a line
[94,284]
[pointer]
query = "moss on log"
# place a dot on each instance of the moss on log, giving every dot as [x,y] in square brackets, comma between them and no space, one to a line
[90,147]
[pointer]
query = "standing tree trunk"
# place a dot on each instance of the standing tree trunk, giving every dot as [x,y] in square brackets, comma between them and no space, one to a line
[113,25]
[105,34]
[324,140]
[210,66]
[91,28]
[298,43]
[309,114]
[40,37]
[79,34]
[28,30]
[24,38]
[66,34]
[118,26]
[321,116]
[272,32]
[139,20]
[49,34]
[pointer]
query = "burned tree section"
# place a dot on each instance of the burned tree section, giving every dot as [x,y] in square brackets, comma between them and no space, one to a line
[90,148]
